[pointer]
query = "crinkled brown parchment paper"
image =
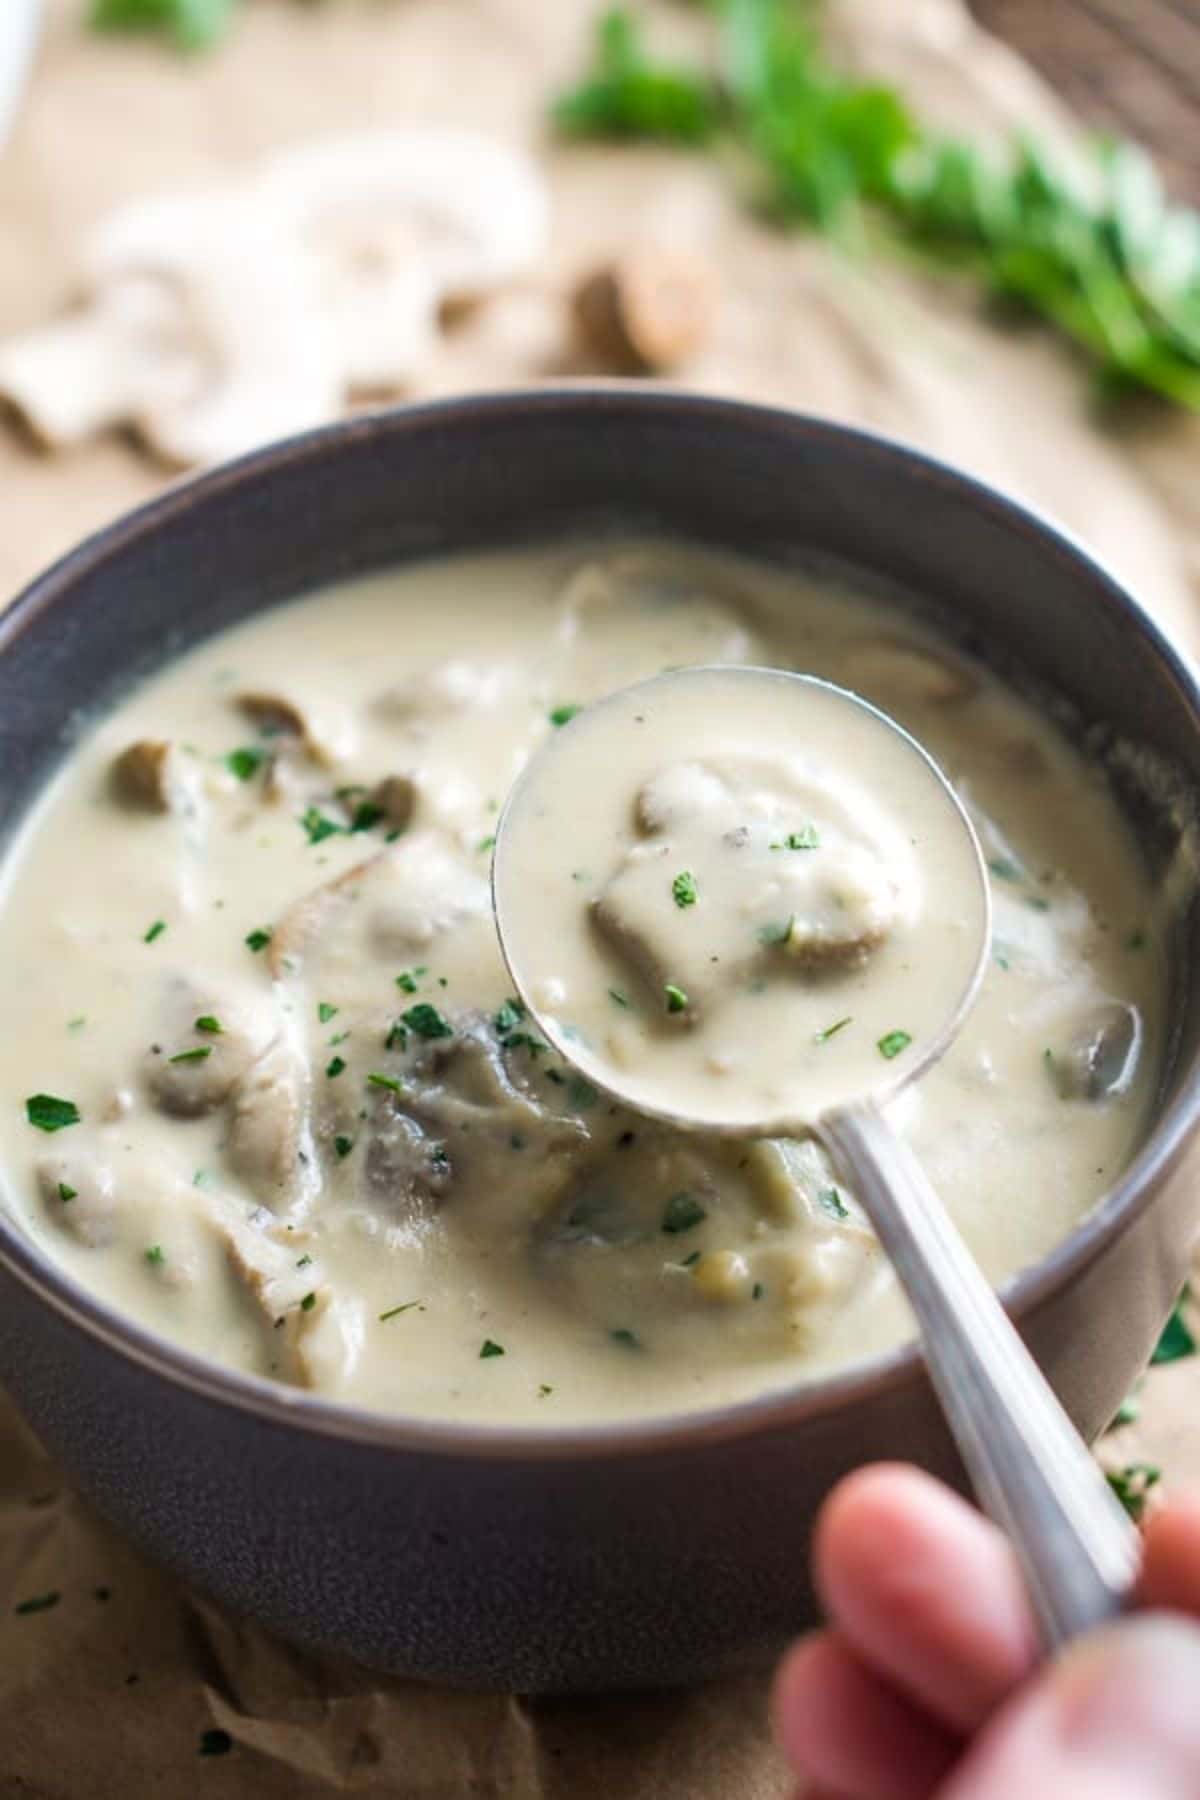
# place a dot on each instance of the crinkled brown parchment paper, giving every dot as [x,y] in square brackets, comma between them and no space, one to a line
[111,1690]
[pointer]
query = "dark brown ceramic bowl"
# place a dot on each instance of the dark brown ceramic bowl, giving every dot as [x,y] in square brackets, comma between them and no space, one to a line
[614,1555]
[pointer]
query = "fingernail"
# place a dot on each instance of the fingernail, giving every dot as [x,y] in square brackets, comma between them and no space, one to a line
[1129,1703]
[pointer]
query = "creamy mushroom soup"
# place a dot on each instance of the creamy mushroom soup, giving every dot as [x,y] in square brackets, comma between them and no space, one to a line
[739,897]
[265,1088]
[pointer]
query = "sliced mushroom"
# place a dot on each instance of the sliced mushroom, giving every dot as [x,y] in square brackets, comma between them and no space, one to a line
[323,728]
[396,797]
[648,311]
[156,776]
[194,1068]
[269,1144]
[1102,1058]
[79,1194]
[900,671]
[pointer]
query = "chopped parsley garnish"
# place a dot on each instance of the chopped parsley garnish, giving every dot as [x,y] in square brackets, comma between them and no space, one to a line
[155,1255]
[325,1012]
[544,1388]
[258,940]
[427,1021]
[386,1082]
[1037,903]
[303,1262]
[201,1178]
[245,762]
[154,931]
[677,1000]
[581,1093]
[617,997]
[562,715]
[397,1037]
[490,1348]
[807,838]
[508,1017]
[1132,1486]
[683,889]
[365,816]
[407,979]
[199,1054]
[524,1040]
[37,1603]
[628,1340]
[48,1113]
[207,1023]
[343,1146]
[66,1192]
[892,1043]
[776,933]
[823,1037]
[830,1201]
[1004,868]
[77,1024]
[308,1302]
[683,1212]
[486,843]
[1176,1340]
[317,826]
[334,1066]
[1136,940]
[1001,955]
[339,1037]
[215,1742]
[394,1312]
[1129,1410]
[689,1262]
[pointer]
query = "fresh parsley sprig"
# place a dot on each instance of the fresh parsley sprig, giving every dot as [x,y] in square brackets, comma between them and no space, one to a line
[1099,254]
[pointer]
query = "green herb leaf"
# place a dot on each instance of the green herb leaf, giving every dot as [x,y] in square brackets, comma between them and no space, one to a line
[407,979]
[823,1037]
[206,1022]
[544,1388]
[154,931]
[562,715]
[892,1043]
[617,997]
[388,1082]
[343,1146]
[66,1192]
[1128,1412]
[397,1037]
[308,1302]
[201,1053]
[629,96]
[1132,1486]
[395,1311]
[246,762]
[258,940]
[830,1201]
[1176,1340]
[776,932]
[48,1113]
[677,1000]
[581,1093]
[155,1255]
[304,1262]
[317,826]
[628,1340]
[334,1067]
[365,816]
[427,1021]
[325,1012]
[683,1212]
[683,888]
[488,1348]
[193,24]
[37,1603]
[508,1017]
[807,838]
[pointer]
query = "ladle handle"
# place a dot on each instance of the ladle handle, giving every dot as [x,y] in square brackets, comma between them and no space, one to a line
[1030,1469]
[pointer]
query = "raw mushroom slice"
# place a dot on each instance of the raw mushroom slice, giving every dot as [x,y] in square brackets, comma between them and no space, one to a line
[262,353]
[394,223]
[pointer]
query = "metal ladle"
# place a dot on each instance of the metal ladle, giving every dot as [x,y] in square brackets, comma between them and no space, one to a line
[1030,1469]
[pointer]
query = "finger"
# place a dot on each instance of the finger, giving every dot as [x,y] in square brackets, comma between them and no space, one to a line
[844,1728]
[1170,1577]
[926,1591]
[1115,1718]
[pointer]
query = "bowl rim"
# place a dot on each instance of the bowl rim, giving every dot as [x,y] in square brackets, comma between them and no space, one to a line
[782,1406]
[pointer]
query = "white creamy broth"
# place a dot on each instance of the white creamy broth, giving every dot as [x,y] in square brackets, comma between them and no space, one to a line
[739,898]
[247,939]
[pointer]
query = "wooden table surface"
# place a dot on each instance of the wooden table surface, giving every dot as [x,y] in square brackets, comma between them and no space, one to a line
[1129,66]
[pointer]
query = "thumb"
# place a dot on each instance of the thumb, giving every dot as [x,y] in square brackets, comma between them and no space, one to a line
[1117,1715]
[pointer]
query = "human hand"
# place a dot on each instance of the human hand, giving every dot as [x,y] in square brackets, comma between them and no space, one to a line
[925,1686]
